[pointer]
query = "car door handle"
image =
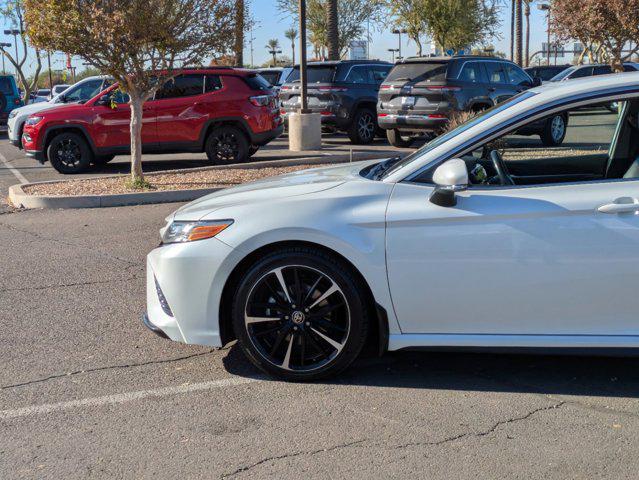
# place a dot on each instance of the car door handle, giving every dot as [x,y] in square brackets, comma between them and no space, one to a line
[625,205]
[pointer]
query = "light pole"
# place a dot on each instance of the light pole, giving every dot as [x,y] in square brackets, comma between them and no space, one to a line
[15,32]
[393,50]
[399,32]
[303,80]
[4,45]
[546,7]
[49,65]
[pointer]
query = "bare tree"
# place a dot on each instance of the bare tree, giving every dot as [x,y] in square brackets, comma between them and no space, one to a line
[140,43]
[13,12]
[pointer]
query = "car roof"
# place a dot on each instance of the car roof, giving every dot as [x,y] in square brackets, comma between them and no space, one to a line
[346,62]
[577,67]
[531,100]
[450,59]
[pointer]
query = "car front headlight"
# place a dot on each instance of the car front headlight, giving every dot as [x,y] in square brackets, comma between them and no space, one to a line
[182,232]
[33,120]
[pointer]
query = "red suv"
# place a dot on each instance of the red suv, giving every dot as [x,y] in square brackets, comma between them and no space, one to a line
[226,112]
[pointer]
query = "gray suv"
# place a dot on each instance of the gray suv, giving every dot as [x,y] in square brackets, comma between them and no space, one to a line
[343,92]
[421,94]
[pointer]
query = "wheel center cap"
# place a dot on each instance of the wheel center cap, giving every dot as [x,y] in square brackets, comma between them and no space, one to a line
[298,317]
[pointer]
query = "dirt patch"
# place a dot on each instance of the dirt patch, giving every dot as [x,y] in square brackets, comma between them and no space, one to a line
[161,181]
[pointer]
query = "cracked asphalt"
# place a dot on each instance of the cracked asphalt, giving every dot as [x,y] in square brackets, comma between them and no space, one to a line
[87,392]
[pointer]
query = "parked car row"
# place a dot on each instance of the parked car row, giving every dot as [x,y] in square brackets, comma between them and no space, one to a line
[227,113]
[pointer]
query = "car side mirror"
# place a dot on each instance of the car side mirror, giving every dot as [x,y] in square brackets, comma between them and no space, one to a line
[537,82]
[104,101]
[449,177]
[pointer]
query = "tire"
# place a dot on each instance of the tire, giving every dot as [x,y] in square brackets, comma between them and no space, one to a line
[362,129]
[69,153]
[554,131]
[253,150]
[102,159]
[396,140]
[298,345]
[226,145]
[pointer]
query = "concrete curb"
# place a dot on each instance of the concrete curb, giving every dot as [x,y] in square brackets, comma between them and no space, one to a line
[19,198]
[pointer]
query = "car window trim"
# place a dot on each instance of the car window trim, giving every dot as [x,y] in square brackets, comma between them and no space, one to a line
[517,122]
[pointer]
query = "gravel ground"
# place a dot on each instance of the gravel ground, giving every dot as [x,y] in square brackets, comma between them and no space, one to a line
[162,181]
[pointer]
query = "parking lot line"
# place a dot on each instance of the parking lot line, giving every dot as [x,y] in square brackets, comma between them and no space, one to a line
[13,170]
[123,397]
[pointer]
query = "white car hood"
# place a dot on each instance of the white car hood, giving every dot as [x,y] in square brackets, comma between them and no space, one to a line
[302,182]
[36,107]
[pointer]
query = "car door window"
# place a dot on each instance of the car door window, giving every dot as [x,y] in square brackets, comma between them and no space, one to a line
[581,73]
[357,75]
[496,73]
[212,83]
[599,141]
[377,75]
[182,86]
[516,76]
[82,92]
[602,70]
[629,68]
[471,72]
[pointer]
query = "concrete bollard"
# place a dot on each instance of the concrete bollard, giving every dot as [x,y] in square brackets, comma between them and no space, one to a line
[304,131]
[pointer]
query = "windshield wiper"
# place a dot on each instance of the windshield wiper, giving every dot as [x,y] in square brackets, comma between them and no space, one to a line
[381,168]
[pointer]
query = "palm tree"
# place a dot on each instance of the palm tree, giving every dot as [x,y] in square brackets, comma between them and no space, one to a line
[238,46]
[332,20]
[518,32]
[512,29]
[291,34]
[273,47]
[527,45]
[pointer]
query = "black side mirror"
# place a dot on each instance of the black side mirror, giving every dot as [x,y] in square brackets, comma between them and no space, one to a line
[536,82]
[104,101]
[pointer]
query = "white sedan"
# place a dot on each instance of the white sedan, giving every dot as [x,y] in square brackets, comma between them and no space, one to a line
[481,239]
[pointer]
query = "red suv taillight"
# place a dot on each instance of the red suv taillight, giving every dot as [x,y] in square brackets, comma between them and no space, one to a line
[261,100]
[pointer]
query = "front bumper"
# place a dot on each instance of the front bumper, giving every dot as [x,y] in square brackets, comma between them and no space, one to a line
[191,277]
[147,323]
[410,122]
[37,154]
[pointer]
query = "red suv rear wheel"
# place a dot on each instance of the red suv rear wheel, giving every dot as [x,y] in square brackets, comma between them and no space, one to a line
[226,145]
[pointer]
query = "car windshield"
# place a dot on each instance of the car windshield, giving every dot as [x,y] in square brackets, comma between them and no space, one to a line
[315,73]
[419,72]
[459,130]
[271,77]
[562,75]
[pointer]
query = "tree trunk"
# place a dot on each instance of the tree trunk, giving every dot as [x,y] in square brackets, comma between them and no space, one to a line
[527,13]
[136,103]
[512,29]
[332,30]
[238,46]
[518,32]
[274,59]
[293,49]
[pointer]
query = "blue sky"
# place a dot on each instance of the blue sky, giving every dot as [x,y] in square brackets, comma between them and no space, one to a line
[272,24]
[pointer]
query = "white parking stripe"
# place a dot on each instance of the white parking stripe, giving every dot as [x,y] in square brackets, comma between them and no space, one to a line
[123,397]
[13,170]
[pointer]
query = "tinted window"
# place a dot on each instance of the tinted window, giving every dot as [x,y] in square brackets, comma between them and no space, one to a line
[271,77]
[419,72]
[560,76]
[582,72]
[182,86]
[82,92]
[6,86]
[602,70]
[471,72]
[629,68]
[257,82]
[357,75]
[496,72]
[212,83]
[315,74]
[378,74]
[516,76]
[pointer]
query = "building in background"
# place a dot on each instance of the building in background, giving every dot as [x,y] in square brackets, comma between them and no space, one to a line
[357,50]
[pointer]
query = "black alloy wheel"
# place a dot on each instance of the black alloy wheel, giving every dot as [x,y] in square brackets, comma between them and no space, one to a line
[301,317]
[227,145]
[362,130]
[69,153]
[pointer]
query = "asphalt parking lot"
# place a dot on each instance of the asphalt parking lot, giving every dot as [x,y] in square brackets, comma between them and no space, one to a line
[87,392]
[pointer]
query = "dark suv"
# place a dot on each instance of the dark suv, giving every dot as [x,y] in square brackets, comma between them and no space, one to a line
[421,94]
[343,92]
